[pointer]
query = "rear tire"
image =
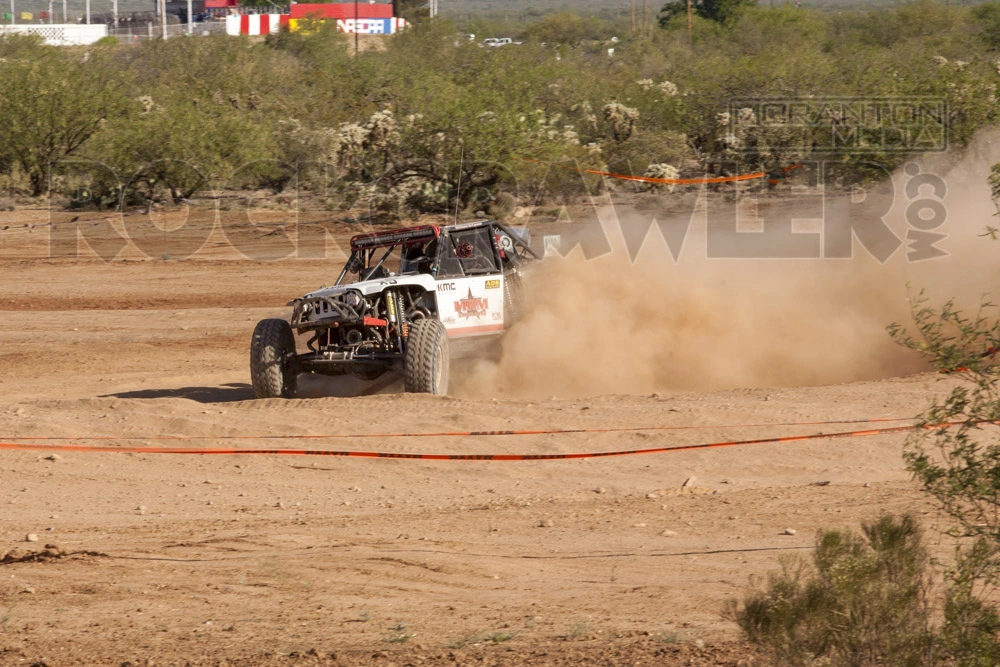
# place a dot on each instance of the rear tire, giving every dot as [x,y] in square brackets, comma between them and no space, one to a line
[271,352]
[426,362]
[511,299]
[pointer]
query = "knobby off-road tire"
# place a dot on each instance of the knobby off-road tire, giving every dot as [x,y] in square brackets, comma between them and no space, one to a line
[270,350]
[426,361]
[511,299]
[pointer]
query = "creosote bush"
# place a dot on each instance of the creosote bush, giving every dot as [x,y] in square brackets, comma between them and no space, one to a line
[862,600]
[955,455]
[867,601]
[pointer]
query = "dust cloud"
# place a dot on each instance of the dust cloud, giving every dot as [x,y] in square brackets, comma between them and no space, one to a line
[611,325]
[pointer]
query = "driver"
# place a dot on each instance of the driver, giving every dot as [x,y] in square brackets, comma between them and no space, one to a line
[417,258]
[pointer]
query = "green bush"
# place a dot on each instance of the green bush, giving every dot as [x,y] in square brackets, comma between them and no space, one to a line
[955,455]
[720,11]
[860,601]
[567,28]
[51,104]
[987,19]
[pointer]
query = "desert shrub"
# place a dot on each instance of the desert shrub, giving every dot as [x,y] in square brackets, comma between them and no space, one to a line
[921,19]
[986,17]
[634,156]
[502,206]
[862,600]
[566,28]
[14,46]
[414,11]
[969,636]
[204,114]
[759,30]
[465,121]
[319,44]
[955,455]
[720,11]
[52,104]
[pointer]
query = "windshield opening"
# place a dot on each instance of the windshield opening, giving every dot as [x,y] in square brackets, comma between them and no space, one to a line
[375,263]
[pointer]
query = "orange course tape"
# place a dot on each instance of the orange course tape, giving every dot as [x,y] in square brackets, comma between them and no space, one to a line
[679,181]
[454,434]
[456,457]
[674,181]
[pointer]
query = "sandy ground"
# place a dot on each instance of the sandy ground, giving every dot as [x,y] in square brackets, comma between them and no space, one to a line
[146,559]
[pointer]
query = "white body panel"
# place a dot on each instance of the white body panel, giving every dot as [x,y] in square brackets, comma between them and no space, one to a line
[368,287]
[471,306]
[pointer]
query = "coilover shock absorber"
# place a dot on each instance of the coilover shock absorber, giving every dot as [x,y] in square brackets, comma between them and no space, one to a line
[390,306]
[394,306]
[404,319]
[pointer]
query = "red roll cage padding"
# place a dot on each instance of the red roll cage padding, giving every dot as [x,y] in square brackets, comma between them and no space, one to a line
[395,236]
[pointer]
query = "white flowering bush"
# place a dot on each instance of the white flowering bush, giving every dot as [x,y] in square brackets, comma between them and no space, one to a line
[747,144]
[147,104]
[667,88]
[621,119]
[661,170]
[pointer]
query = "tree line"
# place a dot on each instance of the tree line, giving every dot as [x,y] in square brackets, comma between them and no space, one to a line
[433,120]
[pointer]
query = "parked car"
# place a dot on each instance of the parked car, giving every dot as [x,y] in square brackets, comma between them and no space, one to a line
[498,41]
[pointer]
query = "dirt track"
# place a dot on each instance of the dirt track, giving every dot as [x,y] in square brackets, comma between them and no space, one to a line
[175,559]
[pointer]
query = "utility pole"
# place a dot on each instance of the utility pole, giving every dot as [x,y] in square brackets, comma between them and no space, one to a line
[690,33]
[355,27]
[65,19]
[163,17]
[13,16]
[190,19]
[50,12]
[88,12]
[114,12]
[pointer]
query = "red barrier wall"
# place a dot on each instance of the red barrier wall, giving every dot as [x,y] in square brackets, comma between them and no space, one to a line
[343,10]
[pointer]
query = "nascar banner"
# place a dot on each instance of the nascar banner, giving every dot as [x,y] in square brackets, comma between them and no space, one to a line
[263,24]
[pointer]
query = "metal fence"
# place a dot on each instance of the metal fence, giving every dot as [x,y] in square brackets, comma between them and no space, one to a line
[135,32]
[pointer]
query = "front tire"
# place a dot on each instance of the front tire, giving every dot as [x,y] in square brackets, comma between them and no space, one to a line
[426,362]
[271,352]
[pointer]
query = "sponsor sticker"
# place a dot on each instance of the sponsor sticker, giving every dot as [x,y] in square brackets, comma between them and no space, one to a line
[471,306]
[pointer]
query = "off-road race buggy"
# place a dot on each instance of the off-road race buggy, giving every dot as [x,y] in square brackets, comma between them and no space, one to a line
[414,289]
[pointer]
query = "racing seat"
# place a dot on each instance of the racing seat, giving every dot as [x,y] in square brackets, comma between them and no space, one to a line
[376,272]
[417,259]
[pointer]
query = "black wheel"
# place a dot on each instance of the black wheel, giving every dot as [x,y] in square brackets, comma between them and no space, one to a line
[271,351]
[426,361]
[369,374]
[511,299]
